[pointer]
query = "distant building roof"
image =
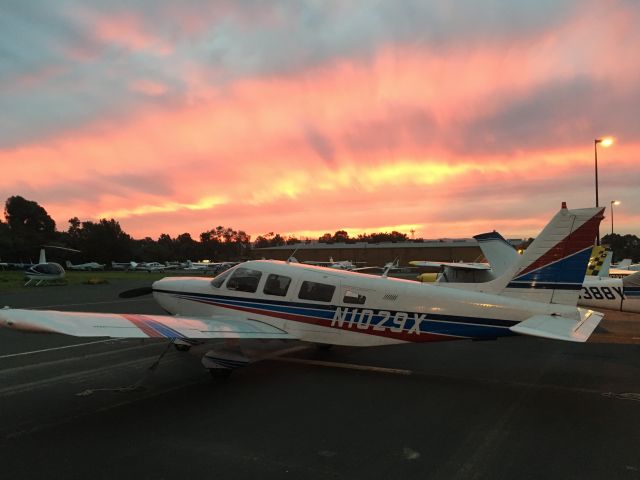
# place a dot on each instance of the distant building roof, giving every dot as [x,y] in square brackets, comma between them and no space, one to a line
[445,242]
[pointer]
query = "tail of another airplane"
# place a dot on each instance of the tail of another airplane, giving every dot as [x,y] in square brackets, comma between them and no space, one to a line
[552,269]
[598,262]
[606,265]
[499,253]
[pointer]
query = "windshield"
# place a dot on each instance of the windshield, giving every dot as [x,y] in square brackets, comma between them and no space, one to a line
[219,280]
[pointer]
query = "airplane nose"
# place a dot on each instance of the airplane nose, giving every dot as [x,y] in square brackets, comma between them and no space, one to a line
[168,284]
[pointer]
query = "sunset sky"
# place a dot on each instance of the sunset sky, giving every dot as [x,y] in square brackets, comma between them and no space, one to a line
[306,117]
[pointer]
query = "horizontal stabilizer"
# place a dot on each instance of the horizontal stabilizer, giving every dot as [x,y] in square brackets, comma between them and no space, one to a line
[560,328]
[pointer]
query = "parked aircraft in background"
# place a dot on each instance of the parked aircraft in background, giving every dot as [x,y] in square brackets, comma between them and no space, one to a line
[623,268]
[195,266]
[390,269]
[494,247]
[44,273]
[123,265]
[598,290]
[150,267]
[292,301]
[623,264]
[85,266]
[338,265]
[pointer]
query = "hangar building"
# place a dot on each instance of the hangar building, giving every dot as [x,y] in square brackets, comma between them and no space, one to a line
[369,254]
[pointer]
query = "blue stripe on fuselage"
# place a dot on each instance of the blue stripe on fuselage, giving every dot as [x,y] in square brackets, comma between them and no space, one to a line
[460,326]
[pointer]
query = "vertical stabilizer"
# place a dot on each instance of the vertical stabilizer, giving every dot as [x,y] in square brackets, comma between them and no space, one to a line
[499,253]
[597,260]
[552,269]
[606,265]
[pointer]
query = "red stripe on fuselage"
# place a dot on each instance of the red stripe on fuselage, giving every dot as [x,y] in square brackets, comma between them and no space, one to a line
[404,335]
[575,242]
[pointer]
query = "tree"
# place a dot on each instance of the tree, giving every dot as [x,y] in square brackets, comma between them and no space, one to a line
[5,240]
[104,241]
[30,226]
[187,248]
[623,246]
[341,236]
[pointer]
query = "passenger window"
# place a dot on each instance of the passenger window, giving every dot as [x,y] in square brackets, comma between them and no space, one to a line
[354,298]
[320,292]
[244,280]
[276,285]
[219,280]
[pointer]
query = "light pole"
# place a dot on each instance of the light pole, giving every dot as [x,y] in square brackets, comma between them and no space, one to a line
[606,142]
[613,202]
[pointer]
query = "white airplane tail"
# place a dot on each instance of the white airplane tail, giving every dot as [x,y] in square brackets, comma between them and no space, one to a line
[606,265]
[624,263]
[552,269]
[499,253]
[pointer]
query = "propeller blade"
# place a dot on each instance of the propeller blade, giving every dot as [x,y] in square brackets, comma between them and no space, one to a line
[135,292]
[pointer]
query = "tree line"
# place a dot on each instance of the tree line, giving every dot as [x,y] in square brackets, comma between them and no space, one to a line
[28,226]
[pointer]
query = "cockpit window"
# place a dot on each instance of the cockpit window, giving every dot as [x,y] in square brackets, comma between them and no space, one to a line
[244,280]
[320,292]
[276,285]
[354,298]
[219,280]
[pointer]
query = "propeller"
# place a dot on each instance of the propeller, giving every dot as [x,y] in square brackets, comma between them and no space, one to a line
[135,292]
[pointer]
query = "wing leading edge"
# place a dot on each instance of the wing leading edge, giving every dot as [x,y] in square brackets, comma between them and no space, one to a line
[115,325]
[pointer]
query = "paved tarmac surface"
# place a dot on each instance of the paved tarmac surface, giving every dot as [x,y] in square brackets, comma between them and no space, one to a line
[514,408]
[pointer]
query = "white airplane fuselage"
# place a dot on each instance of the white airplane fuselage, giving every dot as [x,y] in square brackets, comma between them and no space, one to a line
[363,310]
[611,293]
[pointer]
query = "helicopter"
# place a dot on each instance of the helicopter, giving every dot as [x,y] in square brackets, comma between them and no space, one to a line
[43,272]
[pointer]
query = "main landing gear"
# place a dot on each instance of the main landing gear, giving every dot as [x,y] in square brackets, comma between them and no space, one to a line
[221,363]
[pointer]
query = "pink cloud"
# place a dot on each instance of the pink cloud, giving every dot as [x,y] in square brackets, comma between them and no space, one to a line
[126,30]
[364,145]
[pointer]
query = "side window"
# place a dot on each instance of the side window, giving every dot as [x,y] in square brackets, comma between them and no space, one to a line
[320,292]
[244,280]
[219,280]
[276,285]
[354,298]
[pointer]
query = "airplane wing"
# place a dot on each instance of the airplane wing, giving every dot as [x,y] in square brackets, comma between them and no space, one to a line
[459,266]
[116,325]
[560,328]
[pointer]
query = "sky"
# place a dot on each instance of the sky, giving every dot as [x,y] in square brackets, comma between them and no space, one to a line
[305,117]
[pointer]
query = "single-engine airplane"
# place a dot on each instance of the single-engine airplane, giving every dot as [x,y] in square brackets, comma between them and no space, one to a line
[89,266]
[284,300]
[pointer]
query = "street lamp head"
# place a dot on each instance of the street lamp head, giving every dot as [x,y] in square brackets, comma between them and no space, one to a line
[605,142]
[615,202]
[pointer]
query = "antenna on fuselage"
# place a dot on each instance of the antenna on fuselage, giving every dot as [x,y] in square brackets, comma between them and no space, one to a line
[389,266]
[293,259]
